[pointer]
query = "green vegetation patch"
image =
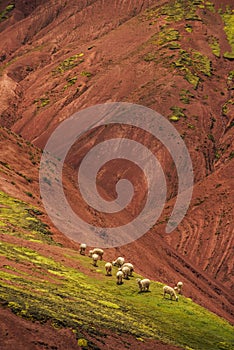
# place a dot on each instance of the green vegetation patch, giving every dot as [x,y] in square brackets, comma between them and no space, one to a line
[6,11]
[230,80]
[68,63]
[70,82]
[188,28]
[185,96]
[214,45]
[226,107]
[21,220]
[86,74]
[42,101]
[167,36]
[178,112]
[69,298]
[175,11]
[37,287]
[228,19]
[149,57]
[193,64]
[208,5]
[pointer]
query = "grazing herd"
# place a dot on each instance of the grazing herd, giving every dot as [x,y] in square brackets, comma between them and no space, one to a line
[125,270]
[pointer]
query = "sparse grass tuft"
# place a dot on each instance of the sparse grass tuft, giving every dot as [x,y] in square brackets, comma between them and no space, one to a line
[70,82]
[214,44]
[6,11]
[178,112]
[185,96]
[68,63]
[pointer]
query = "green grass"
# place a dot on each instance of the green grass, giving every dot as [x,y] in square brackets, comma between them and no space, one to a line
[42,101]
[21,220]
[41,288]
[185,96]
[68,63]
[175,11]
[6,11]
[226,105]
[228,19]
[70,82]
[193,66]
[86,74]
[214,45]
[150,57]
[178,10]
[166,36]
[178,112]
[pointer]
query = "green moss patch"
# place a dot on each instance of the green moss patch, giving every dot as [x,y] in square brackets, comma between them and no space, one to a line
[178,112]
[6,11]
[228,19]
[193,65]
[226,106]
[175,11]
[42,101]
[68,63]
[70,82]
[186,96]
[214,45]
[21,220]
[167,35]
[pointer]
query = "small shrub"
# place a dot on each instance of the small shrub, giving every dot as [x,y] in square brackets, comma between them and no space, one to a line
[149,57]
[191,126]
[70,82]
[211,137]
[83,343]
[6,165]
[228,19]
[68,63]
[214,45]
[4,13]
[231,155]
[223,346]
[44,101]
[29,194]
[185,96]
[174,118]
[225,109]
[86,74]
[178,112]
[188,28]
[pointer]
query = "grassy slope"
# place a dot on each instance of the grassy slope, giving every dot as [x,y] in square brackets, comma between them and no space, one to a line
[40,287]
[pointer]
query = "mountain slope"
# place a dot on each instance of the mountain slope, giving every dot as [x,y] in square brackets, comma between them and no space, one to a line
[171,56]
